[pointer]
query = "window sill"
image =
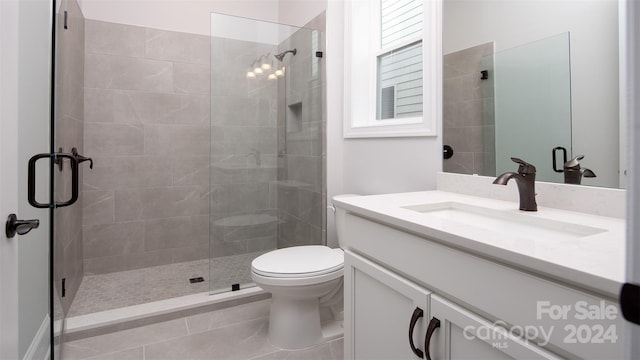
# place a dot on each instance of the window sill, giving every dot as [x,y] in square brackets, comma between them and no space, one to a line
[406,130]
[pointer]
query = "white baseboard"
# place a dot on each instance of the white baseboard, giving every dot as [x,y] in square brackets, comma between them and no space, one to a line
[41,343]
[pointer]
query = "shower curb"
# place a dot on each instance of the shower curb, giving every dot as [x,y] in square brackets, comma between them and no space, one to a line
[104,322]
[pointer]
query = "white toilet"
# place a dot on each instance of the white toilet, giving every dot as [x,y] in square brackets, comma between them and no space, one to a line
[306,285]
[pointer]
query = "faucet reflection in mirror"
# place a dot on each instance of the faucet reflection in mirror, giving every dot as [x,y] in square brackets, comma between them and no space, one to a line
[572,170]
[573,173]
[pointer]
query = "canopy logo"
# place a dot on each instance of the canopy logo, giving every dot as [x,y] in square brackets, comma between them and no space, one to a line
[582,322]
[498,334]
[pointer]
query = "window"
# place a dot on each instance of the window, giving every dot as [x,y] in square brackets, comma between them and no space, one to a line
[399,82]
[392,56]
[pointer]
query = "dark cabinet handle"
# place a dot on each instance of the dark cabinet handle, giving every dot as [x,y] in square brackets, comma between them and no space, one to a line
[417,314]
[31,180]
[433,325]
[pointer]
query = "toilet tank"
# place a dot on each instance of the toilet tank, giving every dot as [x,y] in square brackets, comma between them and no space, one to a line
[339,214]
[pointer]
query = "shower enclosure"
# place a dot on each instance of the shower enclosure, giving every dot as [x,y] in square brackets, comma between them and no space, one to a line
[207,151]
[267,150]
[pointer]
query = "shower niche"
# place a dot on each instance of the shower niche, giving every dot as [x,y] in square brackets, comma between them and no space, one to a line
[294,118]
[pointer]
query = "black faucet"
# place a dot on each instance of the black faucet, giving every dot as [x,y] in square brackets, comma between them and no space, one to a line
[526,181]
[572,170]
[573,173]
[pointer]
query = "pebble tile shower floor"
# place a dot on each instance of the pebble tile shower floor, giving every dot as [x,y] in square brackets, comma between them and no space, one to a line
[125,288]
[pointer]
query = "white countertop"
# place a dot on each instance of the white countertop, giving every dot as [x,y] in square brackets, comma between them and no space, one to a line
[594,262]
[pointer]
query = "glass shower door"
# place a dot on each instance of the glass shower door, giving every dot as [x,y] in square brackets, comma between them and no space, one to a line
[266,149]
[67,138]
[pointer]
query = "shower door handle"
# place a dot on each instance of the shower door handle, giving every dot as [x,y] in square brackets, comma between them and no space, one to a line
[554,160]
[31,180]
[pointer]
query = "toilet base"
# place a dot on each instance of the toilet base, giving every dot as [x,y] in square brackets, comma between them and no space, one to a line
[295,324]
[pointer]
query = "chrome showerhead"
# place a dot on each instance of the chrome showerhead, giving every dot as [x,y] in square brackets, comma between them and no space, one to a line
[280,56]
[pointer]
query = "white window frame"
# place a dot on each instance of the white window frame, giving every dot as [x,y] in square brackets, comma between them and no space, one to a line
[362,48]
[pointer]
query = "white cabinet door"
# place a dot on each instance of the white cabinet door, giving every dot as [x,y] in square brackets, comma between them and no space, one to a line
[464,335]
[380,309]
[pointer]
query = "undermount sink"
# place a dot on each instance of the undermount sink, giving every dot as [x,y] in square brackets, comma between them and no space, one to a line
[529,225]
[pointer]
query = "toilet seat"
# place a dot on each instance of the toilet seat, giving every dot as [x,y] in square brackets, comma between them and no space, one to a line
[299,265]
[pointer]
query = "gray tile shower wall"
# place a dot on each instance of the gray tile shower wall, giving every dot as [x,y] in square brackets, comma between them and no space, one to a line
[468,121]
[146,110]
[69,124]
[190,153]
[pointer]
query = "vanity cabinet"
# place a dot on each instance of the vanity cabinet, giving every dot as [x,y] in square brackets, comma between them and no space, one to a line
[384,309]
[486,308]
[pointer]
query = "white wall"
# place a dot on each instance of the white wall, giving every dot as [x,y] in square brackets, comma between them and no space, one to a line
[25,34]
[593,25]
[9,28]
[335,74]
[34,82]
[190,16]
[376,166]
[299,12]
[369,166]
[385,165]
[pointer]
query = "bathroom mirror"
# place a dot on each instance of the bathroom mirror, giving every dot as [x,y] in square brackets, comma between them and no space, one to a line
[476,33]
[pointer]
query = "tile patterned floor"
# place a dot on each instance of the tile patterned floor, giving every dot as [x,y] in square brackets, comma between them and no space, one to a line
[132,287]
[238,332]
[234,269]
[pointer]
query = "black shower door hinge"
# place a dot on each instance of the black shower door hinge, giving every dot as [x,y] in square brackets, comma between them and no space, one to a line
[66,16]
[64,288]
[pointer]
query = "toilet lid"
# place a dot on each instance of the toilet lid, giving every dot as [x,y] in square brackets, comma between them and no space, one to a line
[298,261]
